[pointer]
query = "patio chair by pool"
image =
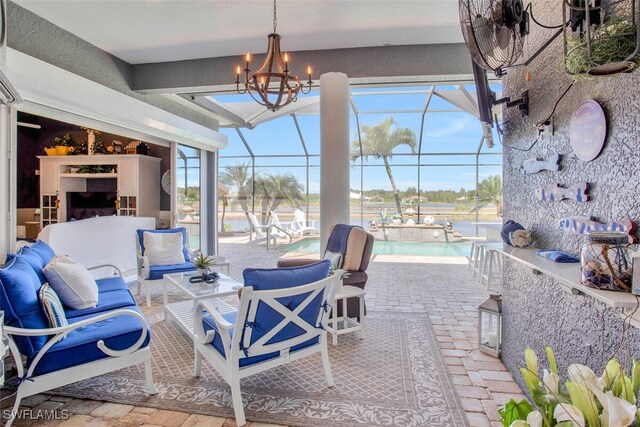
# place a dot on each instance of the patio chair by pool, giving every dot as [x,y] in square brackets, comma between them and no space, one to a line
[282,317]
[156,257]
[301,225]
[256,229]
[355,246]
[275,230]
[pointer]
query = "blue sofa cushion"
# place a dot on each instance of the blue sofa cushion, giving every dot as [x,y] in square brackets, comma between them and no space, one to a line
[209,324]
[109,284]
[43,250]
[33,259]
[106,301]
[156,272]
[279,278]
[80,347]
[19,286]
[182,230]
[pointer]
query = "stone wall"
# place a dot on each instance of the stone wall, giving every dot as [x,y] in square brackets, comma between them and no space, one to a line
[537,311]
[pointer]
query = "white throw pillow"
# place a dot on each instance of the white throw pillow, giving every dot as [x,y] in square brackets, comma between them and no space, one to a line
[163,248]
[73,283]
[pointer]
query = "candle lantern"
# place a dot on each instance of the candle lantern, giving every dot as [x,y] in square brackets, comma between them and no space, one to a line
[490,325]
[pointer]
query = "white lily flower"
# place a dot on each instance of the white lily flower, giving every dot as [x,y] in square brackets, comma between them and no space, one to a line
[616,412]
[519,423]
[551,382]
[534,419]
[584,375]
[566,412]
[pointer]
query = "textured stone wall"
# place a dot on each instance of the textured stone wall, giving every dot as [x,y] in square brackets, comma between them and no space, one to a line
[537,311]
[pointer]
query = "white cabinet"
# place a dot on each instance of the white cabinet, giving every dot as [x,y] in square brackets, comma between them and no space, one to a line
[134,178]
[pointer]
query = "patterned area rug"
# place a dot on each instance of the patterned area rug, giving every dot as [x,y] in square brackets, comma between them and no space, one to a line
[395,376]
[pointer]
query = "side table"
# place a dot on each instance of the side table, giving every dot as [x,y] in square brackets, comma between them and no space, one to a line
[343,324]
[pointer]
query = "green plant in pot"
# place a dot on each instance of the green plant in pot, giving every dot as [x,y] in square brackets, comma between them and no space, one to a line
[584,399]
[203,263]
[611,44]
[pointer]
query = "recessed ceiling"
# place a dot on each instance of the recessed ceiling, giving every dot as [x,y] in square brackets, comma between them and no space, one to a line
[143,31]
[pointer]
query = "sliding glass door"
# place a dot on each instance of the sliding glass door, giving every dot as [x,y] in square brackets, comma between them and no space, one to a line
[189,203]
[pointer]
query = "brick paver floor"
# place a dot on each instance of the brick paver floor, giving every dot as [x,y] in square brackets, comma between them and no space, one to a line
[440,287]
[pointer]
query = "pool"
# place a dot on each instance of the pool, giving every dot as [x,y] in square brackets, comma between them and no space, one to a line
[381,247]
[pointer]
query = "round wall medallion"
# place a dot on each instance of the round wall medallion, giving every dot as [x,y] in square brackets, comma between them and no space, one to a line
[588,130]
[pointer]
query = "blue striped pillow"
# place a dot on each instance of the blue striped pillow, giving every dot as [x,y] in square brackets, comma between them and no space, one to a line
[52,307]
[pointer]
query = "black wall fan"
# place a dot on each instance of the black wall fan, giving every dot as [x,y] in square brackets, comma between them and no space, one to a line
[494,31]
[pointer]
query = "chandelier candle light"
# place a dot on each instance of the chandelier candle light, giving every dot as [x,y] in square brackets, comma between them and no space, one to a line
[272,85]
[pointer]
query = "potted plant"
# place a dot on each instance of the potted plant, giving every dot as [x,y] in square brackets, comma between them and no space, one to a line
[203,263]
[584,399]
[62,145]
[396,219]
[611,44]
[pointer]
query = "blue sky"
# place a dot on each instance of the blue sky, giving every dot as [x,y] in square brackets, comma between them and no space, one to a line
[445,132]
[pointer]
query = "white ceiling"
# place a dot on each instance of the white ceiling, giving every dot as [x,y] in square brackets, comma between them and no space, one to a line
[142,31]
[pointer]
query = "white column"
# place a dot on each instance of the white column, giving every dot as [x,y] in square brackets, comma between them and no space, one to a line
[5,169]
[334,152]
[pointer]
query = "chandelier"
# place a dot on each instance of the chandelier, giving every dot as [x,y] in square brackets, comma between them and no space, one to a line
[272,85]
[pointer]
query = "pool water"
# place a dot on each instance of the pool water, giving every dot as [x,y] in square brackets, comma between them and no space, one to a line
[381,247]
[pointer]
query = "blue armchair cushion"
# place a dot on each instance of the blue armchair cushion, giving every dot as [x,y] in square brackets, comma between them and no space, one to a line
[209,324]
[156,272]
[107,301]
[182,230]
[45,251]
[52,307]
[118,333]
[279,278]
[109,284]
[19,286]
[32,258]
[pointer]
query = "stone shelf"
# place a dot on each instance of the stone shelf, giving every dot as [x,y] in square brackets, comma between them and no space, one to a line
[568,275]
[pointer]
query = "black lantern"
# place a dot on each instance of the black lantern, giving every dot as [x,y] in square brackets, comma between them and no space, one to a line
[490,325]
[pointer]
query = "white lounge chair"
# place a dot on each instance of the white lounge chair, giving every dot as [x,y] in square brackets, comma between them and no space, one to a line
[301,225]
[255,228]
[275,230]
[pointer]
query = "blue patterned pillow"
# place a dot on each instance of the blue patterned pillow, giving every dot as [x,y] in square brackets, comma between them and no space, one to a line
[52,307]
[335,258]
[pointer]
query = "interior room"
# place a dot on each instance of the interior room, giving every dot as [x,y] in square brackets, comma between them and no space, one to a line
[311,213]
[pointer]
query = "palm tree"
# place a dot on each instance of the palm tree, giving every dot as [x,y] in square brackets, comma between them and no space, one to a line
[380,141]
[274,189]
[490,193]
[238,177]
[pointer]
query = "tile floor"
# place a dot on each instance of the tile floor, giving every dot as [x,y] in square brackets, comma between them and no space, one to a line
[442,288]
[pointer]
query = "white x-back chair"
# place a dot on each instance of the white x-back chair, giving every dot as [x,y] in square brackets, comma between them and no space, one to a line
[253,339]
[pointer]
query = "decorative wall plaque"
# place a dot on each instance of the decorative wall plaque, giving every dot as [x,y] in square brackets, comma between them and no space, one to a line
[588,130]
[554,193]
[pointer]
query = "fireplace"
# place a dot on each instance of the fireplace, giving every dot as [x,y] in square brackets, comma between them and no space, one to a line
[81,205]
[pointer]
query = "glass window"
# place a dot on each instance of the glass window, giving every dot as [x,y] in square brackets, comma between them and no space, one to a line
[188,193]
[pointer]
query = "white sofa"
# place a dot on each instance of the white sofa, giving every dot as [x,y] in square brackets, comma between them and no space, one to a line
[98,241]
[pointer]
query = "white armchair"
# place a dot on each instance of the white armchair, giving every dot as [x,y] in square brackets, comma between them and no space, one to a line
[148,274]
[241,343]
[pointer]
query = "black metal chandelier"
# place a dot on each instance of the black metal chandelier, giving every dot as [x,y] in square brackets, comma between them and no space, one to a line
[272,85]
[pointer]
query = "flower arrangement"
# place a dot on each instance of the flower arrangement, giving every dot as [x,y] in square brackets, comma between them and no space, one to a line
[586,399]
[611,42]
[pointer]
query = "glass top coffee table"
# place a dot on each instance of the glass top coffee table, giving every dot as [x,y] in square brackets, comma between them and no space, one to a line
[182,311]
[224,286]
